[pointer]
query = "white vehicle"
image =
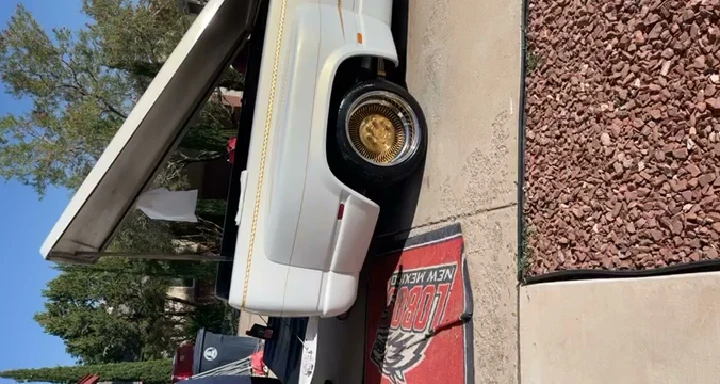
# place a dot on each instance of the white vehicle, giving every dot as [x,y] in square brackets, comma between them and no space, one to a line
[321,124]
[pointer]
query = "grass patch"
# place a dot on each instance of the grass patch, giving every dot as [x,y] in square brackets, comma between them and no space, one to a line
[525,258]
[531,61]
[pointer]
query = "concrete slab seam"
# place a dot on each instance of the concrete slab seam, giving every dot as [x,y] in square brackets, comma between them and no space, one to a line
[450,219]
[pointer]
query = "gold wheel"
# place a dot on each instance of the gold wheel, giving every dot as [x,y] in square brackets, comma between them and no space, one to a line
[376,133]
[381,128]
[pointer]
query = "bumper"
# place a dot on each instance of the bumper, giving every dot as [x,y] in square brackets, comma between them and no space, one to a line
[287,290]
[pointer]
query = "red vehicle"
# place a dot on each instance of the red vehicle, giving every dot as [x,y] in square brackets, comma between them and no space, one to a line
[258,365]
[183,362]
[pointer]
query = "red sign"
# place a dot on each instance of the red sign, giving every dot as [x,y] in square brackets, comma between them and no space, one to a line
[420,309]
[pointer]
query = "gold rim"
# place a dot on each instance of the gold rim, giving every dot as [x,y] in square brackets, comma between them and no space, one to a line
[377,133]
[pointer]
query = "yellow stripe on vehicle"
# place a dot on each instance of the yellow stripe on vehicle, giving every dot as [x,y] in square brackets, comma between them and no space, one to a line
[268,124]
[342,21]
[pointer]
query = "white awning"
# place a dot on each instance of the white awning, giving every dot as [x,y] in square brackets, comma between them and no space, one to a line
[150,132]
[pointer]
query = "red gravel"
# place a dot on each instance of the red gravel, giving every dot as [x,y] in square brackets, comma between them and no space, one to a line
[623,133]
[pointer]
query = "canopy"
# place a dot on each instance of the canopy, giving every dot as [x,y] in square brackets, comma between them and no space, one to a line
[150,132]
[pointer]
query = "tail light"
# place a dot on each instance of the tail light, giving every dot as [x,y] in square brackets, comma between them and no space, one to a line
[183,363]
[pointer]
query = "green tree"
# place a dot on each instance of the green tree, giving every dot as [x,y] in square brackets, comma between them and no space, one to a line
[137,35]
[82,85]
[109,317]
[149,372]
[117,310]
[77,103]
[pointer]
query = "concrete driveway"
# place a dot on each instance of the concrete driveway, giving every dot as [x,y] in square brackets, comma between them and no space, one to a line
[647,330]
[464,66]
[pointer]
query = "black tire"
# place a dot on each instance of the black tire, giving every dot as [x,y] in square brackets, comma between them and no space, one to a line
[372,173]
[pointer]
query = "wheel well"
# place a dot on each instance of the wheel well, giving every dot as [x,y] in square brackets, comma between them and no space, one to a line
[350,72]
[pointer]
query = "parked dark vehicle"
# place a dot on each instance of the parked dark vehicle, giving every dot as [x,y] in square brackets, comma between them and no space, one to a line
[214,350]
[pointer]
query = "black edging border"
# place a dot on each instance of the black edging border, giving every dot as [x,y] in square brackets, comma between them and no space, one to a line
[585,274]
[521,146]
[520,273]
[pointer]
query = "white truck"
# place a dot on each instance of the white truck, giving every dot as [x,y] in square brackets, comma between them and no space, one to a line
[321,126]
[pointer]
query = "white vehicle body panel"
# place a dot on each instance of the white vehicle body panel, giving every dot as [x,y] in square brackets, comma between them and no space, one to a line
[293,256]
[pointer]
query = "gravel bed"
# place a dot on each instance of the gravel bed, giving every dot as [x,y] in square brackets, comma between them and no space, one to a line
[622,158]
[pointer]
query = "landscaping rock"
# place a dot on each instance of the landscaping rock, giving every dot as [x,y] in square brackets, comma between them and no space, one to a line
[622,157]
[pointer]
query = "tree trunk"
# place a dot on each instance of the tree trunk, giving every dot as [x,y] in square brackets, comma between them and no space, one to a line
[180,301]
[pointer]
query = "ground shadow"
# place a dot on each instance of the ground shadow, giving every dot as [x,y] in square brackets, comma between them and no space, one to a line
[399,202]
[382,335]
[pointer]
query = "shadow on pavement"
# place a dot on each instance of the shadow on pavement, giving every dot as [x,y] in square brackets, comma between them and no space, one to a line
[381,339]
[399,202]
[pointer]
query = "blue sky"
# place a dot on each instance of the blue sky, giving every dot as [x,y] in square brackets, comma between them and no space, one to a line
[25,224]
